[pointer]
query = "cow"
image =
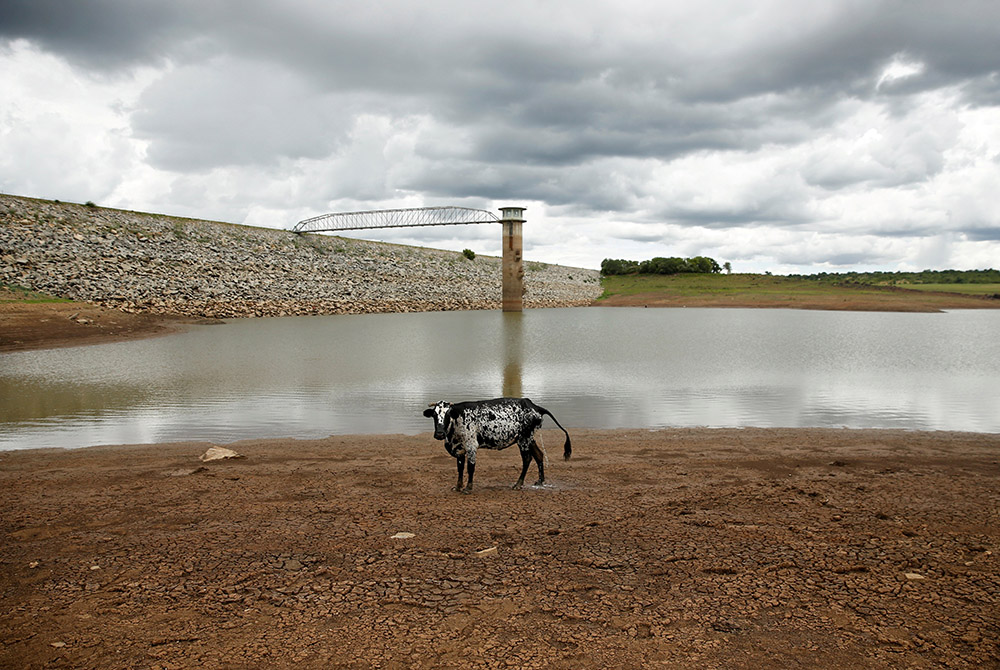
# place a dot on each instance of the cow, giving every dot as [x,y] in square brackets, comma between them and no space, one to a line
[491,424]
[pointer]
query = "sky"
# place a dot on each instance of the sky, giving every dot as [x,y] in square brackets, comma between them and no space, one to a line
[776,135]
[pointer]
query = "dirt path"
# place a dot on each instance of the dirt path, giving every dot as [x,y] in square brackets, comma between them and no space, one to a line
[680,548]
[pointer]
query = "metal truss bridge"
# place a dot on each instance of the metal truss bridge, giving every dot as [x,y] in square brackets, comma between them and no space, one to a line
[510,235]
[395,218]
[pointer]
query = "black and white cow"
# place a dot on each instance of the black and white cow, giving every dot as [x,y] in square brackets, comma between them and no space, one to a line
[492,424]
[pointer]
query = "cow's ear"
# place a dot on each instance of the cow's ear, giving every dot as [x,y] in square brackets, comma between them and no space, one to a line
[429,412]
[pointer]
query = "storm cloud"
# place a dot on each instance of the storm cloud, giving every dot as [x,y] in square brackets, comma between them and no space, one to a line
[777,136]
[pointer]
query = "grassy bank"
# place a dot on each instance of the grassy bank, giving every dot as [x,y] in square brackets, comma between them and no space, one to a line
[965,289]
[754,290]
[13,293]
[731,287]
[720,285]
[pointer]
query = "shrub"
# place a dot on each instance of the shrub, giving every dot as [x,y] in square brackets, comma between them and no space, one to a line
[659,266]
[469,253]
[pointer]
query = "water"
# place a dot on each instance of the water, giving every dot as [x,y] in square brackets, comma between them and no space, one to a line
[592,367]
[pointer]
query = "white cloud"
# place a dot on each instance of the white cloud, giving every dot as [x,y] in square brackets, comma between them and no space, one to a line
[899,68]
[63,134]
[775,136]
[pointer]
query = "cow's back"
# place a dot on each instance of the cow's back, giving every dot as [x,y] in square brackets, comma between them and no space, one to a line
[498,423]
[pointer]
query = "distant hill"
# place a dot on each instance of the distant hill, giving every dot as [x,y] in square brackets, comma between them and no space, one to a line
[934,277]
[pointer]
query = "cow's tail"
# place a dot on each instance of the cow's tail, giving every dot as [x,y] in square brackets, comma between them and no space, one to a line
[567,448]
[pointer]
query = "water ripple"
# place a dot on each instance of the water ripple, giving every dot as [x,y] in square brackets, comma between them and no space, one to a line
[595,368]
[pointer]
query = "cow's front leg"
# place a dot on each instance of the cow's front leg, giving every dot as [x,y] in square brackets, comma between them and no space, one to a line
[461,471]
[470,447]
[525,462]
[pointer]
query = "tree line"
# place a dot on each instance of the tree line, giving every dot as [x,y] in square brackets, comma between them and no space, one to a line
[989,276]
[659,266]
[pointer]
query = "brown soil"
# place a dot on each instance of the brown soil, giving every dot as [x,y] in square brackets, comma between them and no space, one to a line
[25,325]
[681,548]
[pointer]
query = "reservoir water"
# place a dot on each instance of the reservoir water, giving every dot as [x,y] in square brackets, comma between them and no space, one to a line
[312,377]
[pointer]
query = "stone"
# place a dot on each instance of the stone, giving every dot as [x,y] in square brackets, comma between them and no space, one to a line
[402,536]
[219,454]
[184,472]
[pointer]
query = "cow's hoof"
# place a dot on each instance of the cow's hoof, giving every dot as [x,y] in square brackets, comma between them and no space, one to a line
[518,486]
[466,491]
[540,482]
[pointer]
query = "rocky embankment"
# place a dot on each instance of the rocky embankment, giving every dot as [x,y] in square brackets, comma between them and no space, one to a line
[151,263]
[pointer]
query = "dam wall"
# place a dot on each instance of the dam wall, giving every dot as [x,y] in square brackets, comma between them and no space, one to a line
[140,262]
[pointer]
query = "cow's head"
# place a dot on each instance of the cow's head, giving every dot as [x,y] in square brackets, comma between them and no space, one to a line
[439,412]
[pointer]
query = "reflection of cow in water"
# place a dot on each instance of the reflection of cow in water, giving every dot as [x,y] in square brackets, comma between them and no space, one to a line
[491,424]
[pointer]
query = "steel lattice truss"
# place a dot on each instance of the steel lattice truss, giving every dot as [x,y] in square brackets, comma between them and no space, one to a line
[395,218]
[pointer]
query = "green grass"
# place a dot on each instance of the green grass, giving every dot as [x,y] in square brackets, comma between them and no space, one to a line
[14,293]
[965,289]
[829,292]
[718,285]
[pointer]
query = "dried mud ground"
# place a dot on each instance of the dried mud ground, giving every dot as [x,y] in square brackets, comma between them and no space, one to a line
[752,548]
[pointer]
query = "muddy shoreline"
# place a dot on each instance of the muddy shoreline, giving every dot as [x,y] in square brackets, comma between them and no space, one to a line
[52,325]
[694,548]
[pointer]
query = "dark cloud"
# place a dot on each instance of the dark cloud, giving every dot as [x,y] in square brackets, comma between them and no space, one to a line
[106,34]
[983,91]
[842,172]
[634,235]
[614,126]
[983,234]
[844,54]
[531,94]
[774,209]
[592,108]
[834,259]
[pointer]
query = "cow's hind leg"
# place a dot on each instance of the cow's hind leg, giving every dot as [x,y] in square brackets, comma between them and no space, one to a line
[525,462]
[539,457]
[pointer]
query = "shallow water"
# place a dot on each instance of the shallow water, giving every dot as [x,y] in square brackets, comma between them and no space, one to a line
[592,367]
